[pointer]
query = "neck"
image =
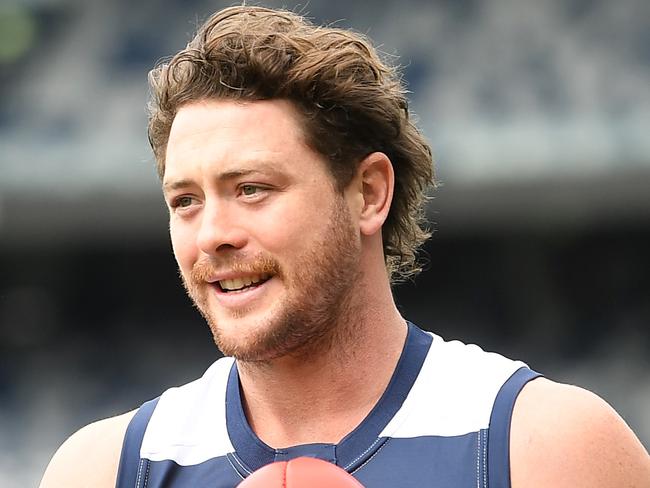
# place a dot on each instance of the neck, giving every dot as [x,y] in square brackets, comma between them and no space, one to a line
[321,398]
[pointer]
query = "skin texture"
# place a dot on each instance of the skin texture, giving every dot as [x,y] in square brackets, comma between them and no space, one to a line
[248,197]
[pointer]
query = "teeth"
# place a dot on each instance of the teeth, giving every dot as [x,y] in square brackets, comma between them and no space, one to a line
[239,283]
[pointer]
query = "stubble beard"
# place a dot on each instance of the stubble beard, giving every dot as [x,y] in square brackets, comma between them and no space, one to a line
[314,317]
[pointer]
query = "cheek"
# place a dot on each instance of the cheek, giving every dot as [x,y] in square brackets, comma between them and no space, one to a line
[286,232]
[183,246]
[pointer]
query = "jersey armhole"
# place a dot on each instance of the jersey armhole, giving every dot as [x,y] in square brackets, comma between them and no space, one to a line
[499,430]
[130,457]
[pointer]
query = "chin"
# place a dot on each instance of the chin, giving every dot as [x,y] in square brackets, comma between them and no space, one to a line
[243,337]
[245,351]
[254,339]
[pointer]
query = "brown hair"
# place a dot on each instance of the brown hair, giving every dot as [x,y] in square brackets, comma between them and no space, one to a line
[351,102]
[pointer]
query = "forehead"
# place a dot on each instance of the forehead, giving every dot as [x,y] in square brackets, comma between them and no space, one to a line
[224,133]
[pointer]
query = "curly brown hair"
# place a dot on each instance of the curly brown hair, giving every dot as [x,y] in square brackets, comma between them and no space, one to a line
[351,102]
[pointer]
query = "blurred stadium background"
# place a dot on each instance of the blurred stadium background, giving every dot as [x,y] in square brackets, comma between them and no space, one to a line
[539,115]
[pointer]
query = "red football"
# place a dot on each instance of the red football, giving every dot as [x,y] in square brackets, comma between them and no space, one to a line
[302,472]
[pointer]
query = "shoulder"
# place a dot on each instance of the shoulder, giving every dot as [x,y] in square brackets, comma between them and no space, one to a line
[565,436]
[90,457]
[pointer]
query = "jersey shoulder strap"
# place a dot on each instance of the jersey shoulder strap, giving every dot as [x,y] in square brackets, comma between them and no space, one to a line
[499,430]
[129,467]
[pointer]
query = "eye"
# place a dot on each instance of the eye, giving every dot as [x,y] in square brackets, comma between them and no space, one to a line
[182,202]
[249,190]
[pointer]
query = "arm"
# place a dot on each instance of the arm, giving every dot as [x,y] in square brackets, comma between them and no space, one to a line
[90,457]
[564,436]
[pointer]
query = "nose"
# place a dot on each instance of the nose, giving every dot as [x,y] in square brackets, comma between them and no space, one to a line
[220,230]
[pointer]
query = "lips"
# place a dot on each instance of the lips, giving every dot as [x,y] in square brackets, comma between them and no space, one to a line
[240,292]
[241,283]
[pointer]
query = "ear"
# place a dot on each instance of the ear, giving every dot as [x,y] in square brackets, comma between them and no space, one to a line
[376,181]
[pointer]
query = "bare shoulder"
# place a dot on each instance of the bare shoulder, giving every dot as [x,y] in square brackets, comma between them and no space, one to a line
[90,457]
[565,436]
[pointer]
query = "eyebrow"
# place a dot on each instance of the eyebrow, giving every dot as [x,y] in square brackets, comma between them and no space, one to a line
[224,176]
[175,185]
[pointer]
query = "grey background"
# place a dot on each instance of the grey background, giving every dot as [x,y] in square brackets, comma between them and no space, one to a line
[538,113]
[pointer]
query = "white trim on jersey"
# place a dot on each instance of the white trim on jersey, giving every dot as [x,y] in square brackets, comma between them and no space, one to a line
[453,393]
[188,425]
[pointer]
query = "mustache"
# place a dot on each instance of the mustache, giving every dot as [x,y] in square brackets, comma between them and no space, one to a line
[207,267]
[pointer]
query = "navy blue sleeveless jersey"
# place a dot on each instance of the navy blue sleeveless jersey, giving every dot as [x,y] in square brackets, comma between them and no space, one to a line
[443,422]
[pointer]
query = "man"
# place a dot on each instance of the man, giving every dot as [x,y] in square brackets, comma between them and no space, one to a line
[295,182]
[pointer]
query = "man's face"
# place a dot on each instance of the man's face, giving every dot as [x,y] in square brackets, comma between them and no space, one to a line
[267,248]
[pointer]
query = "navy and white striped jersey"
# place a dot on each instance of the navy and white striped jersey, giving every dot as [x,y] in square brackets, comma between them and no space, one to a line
[443,421]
